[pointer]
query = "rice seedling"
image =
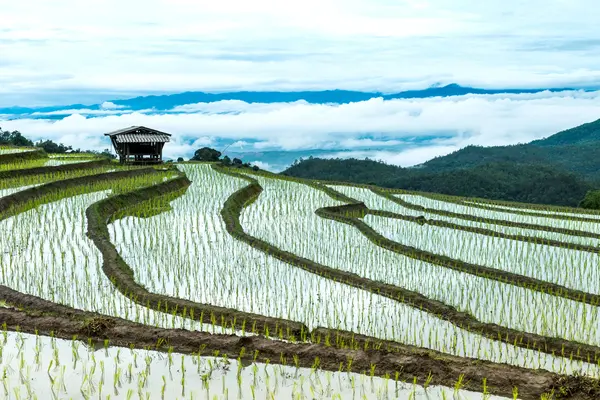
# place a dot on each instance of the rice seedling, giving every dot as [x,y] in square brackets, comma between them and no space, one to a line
[284,215]
[550,211]
[376,202]
[567,267]
[567,223]
[48,255]
[7,192]
[73,156]
[178,245]
[13,150]
[23,164]
[53,162]
[200,263]
[19,183]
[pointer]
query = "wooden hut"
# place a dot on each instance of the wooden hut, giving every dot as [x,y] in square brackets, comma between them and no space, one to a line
[139,145]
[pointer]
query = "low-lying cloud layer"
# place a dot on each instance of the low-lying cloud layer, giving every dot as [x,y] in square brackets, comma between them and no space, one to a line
[403,132]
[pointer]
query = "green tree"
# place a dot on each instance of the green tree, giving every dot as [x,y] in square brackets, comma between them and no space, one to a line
[591,200]
[53,148]
[14,138]
[106,153]
[206,154]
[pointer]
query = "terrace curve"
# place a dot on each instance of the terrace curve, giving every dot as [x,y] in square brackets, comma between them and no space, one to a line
[38,316]
[388,195]
[22,156]
[61,321]
[347,214]
[551,345]
[122,276]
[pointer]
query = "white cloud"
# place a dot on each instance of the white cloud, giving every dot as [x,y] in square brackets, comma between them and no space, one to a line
[419,128]
[166,45]
[203,141]
[262,165]
[404,158]
[233,106]
[239,145]
[109,105]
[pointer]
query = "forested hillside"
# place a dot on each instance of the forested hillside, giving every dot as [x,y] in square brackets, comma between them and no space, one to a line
[576,150]
[507,181]
[557,170]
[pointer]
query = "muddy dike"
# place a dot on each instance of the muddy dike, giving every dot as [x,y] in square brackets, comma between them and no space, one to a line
[555,346]
[19,173]
[572,232]
[485,205]
[531,206]
[22,156]
[389,194]
[13,201]
[342,214]
[403,363]
[546,344]
[482,231]
[116,269]
[354,210]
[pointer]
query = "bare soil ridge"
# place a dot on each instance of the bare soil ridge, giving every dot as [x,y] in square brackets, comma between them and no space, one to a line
[393,360]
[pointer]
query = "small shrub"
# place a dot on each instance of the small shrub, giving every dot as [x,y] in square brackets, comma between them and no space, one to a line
[97,326]
[206,154]
[591,200]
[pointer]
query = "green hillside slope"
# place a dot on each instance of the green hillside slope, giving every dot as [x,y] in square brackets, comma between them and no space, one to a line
[575,150]
[557,170]
[583,134]
[507,181]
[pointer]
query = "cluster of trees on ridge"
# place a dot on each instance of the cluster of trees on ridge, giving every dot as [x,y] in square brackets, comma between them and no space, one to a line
[212,155]
[15,138]
[591,200]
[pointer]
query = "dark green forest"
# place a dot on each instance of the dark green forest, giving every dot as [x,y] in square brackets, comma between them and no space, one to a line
[575,150]
[558,170]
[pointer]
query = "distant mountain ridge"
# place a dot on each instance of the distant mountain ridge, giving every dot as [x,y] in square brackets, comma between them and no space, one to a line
[169,101]
[558,170]
[314,97]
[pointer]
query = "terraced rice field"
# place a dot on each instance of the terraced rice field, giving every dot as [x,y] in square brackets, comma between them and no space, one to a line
[198,281]
[13,150]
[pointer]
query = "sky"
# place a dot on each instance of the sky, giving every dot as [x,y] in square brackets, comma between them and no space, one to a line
[67,52]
